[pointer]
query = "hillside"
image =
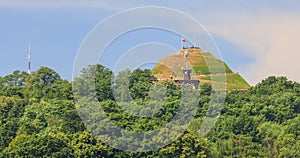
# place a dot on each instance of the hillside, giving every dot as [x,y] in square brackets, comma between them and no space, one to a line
[42,119]
[198,60]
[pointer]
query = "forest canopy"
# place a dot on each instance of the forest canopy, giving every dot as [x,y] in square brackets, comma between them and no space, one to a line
[39,116]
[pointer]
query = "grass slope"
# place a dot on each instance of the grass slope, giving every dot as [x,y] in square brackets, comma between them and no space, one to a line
[204,67]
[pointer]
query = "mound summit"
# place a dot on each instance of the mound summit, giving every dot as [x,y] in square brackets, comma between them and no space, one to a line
[171,66]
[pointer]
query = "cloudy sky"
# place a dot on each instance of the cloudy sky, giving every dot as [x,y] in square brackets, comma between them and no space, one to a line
[255,38]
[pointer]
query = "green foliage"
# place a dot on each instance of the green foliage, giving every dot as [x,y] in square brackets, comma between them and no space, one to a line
[86,145]
[205,89]
[53,115]
[13,84]
[51,144]
[94,81]
[139,84]
[264,115]
[41,119]
[11,109]
[45,83]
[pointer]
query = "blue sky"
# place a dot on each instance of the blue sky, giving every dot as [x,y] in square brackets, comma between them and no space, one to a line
[255,38]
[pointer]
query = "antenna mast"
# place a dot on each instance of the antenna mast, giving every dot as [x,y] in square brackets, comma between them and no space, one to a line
[29,60]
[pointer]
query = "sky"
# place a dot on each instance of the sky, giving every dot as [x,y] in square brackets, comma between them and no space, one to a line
[255,38]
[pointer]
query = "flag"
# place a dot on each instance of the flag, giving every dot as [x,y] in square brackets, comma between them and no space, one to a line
[183,40]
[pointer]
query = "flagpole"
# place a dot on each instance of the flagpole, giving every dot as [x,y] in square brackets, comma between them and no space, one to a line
[181,43]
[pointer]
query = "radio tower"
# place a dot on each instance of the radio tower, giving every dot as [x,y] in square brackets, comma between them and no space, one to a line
[28,60]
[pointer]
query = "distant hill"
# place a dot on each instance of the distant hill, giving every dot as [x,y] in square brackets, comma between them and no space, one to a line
[198,60]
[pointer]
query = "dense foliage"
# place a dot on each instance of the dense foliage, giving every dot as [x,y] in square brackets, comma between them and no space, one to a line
[39,117]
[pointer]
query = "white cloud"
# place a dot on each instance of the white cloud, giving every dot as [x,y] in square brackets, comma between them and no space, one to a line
[271,37]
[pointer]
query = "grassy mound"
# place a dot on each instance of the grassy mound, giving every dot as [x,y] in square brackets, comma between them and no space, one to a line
[204,67]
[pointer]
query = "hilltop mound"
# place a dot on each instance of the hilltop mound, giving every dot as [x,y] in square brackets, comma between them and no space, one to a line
[198,59]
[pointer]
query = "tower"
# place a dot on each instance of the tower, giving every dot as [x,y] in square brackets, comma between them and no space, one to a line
[186,71]
[187,74]
[187,79]
[29,60]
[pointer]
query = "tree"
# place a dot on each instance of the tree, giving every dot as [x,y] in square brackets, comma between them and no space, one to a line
[41,82]
[121,86]
[205,89]
[13,84]
[189,145]
[94,81]
[38,116]
[140,83]
[268,133]
[11,109]
[287,145]
[42,145]
[86,145]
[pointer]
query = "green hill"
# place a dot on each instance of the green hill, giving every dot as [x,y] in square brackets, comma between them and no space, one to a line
[198,60]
